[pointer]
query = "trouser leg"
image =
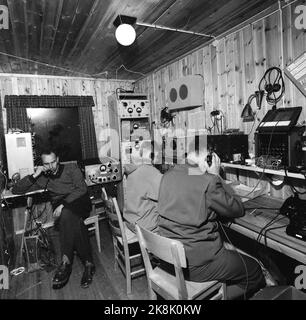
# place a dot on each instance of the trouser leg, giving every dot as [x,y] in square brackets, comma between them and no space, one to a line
[241,273]
[74,236]
[82,243]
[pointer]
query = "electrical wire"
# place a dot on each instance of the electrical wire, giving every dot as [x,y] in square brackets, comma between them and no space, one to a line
[267,225]
[265,229]
[45,64]
[131,71]
[294,190]
[265,165]
[240,255]
[269,229]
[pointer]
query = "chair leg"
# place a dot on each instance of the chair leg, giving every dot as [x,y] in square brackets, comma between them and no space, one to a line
[115,263]
[97,232]
[128,278]
[224,288]
[152,294]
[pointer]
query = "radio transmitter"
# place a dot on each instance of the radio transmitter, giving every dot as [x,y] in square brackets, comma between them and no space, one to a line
[105,172]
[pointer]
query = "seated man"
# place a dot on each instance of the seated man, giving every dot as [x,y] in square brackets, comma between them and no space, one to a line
[142,186]
[71,204]
[191,199]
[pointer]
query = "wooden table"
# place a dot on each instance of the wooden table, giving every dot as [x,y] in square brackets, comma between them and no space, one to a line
[254,220]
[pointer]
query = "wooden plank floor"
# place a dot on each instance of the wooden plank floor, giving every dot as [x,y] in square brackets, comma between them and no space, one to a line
[108,284]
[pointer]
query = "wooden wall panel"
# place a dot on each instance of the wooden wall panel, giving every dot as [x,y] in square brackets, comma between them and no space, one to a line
[230,82]
[299,45]
[288,52]
[232,70]
[39,85]
[239,78]
[208,84]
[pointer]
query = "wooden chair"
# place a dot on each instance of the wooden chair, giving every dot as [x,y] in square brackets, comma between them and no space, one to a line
[163,283]
[123,239]
[93,220]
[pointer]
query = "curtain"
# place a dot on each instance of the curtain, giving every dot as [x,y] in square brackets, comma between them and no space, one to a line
[14,101]
[88,135]
[17,115]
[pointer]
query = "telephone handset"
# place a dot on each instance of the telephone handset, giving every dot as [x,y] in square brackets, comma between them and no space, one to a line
[47,173]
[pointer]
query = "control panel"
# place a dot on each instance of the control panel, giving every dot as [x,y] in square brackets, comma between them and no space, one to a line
[284,147]
[105,172]
[129,107]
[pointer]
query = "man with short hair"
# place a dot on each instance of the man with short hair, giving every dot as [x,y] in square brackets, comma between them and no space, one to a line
[71,205]
[142,187]
[192,198]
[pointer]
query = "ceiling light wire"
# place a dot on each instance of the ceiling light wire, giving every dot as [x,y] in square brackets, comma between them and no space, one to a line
[50,65]
[123,66]
[156,26]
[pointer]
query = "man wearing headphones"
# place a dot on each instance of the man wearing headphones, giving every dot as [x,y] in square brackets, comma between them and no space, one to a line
[192,198]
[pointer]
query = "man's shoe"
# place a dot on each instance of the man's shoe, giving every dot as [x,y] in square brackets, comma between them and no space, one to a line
[62,275]
[89,271]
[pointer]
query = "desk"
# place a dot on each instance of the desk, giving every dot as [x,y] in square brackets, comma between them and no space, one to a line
[7,194]
[267,171]
[251,224]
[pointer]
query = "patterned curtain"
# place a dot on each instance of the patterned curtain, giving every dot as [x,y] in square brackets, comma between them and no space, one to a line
[17,115]
[88,134]
[17,118]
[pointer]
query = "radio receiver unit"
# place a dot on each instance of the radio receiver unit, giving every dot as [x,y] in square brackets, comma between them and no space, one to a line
[105,172]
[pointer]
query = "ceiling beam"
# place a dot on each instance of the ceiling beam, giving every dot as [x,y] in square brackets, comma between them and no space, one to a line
[13,20]
[84,28]
[58,17]
[41,42]
[68,32]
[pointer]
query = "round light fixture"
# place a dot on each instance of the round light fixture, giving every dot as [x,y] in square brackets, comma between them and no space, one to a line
[125,34]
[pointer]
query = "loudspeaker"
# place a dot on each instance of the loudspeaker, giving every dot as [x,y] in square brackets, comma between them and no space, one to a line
[185,92]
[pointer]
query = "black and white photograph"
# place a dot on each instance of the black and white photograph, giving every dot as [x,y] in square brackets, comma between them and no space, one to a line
[153,154]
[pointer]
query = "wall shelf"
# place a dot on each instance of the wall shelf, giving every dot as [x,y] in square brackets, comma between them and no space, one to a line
[258,169]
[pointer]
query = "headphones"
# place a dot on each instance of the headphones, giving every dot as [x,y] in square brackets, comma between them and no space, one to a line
[272,87]
[273,82]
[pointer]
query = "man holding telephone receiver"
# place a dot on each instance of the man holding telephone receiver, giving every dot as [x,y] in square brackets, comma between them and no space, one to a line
[71,205]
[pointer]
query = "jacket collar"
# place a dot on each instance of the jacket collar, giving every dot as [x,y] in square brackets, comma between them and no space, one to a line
[59,172]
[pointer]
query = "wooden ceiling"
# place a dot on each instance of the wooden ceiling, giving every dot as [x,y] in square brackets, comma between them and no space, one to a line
[76,37]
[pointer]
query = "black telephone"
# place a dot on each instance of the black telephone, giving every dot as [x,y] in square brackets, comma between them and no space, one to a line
[209,158]
[295,209]
[47,173]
